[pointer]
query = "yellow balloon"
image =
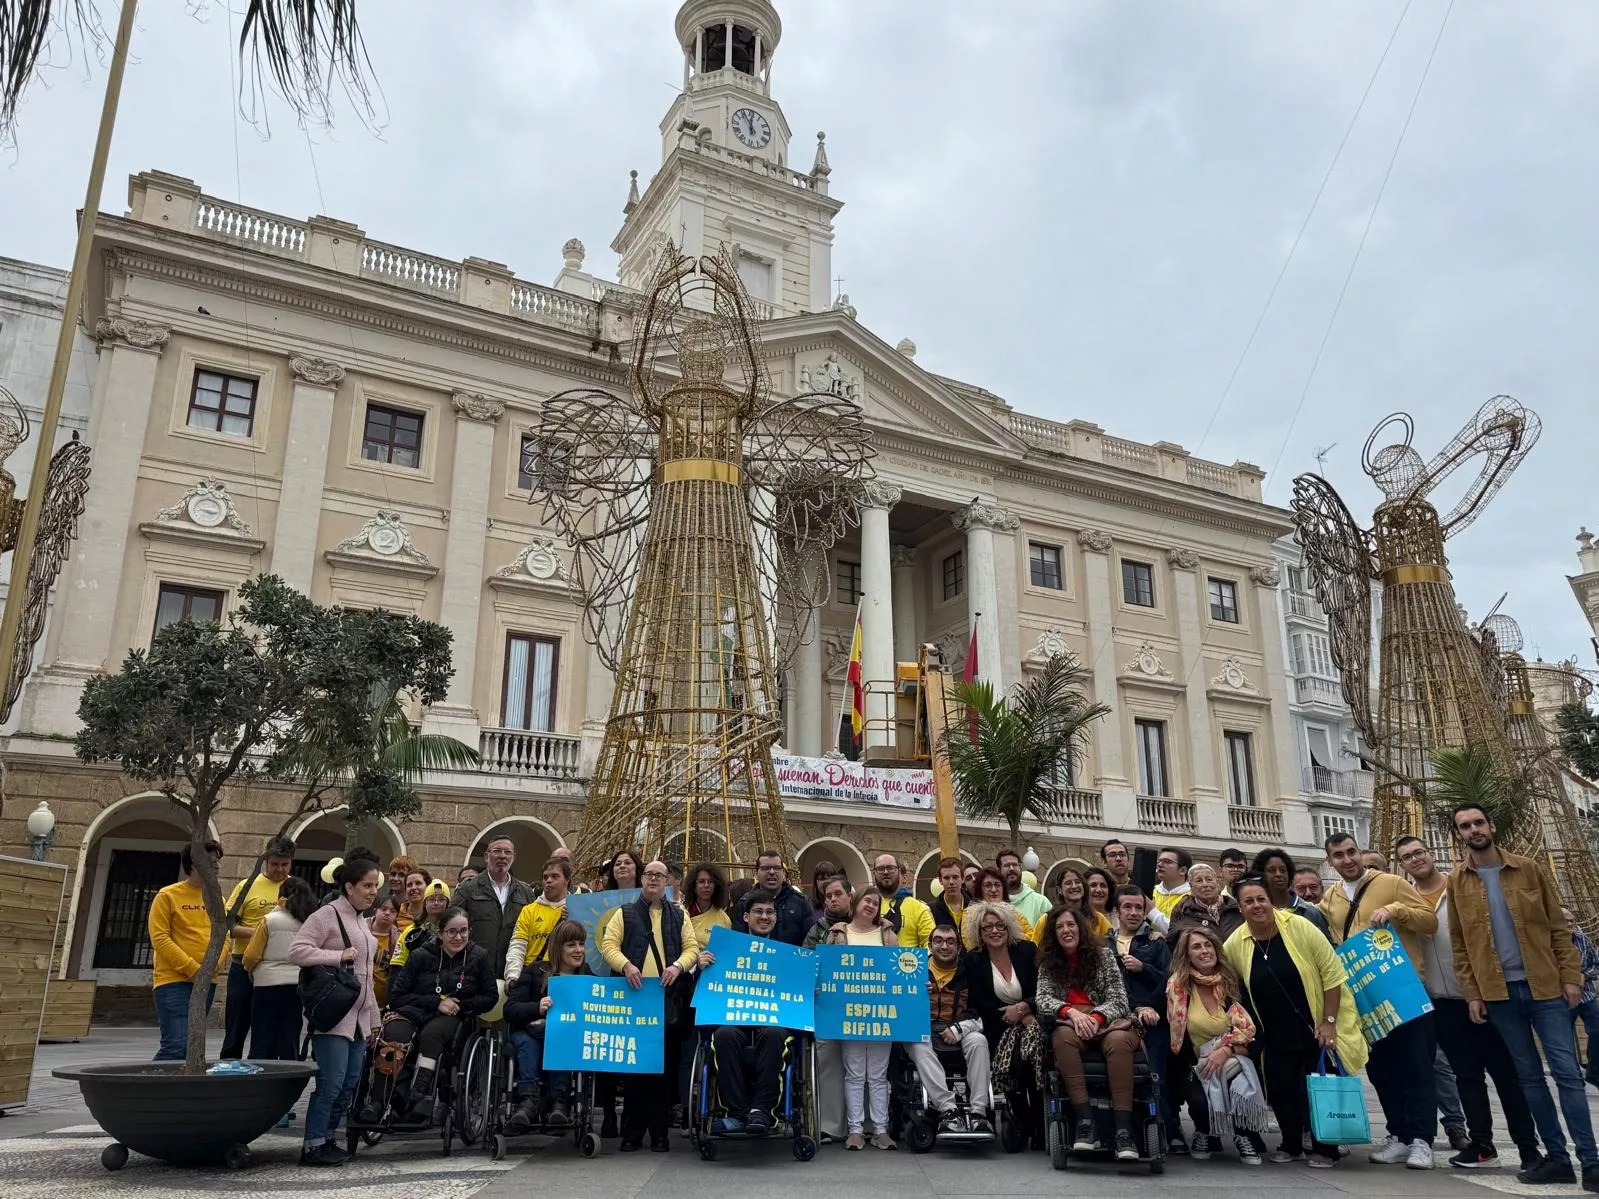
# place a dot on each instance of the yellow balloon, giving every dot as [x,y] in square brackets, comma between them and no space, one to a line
[1030,879]
[936,887]
[328,870]
[497,1012]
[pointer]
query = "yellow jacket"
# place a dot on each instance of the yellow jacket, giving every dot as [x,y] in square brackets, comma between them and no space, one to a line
[179,932]
[1413,916]
[1320,970]
[915,920]
[533,929]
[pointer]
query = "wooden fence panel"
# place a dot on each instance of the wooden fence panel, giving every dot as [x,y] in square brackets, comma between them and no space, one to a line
[31,895]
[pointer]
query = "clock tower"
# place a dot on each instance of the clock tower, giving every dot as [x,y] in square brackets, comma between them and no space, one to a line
[724,177]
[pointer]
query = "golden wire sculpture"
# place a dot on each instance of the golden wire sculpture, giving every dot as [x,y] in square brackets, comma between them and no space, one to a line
[66,483]
[700,513]
[1435,688]
[1568,853]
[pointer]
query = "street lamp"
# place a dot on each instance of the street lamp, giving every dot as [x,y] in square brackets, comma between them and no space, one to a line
[1030,859]
[41,830]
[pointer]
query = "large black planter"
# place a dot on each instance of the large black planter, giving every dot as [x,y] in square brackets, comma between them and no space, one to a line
[186,1120]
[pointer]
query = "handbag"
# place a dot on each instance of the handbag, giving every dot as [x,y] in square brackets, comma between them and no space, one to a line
[1337,1105]
[329,993]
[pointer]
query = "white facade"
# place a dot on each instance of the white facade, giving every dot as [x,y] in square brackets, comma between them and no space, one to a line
[1334,784]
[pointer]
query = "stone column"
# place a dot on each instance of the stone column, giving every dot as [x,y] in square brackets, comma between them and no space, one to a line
[471,477]
[979,521]
[1190,634]
[904,565]
[877,608]
[805,689]
[1286,753]
[1101,595]
[87,593]
[305,468]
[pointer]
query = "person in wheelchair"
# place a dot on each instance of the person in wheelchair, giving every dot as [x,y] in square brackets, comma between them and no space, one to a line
[1080,982]
[443,984]
[749,1088]
[527,1003]
[954,1022]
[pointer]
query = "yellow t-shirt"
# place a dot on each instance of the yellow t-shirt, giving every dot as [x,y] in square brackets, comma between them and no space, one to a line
[706,921]
[261,899]
[179,933]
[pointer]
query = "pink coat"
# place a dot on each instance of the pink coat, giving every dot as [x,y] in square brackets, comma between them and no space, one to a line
[318,944]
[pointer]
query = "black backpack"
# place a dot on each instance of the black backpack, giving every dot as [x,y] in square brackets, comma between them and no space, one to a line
[327,993]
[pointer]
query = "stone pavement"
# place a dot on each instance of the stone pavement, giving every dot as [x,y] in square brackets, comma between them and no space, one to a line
[51,1149]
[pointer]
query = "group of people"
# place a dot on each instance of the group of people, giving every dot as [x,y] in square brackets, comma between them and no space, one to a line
[1226,979]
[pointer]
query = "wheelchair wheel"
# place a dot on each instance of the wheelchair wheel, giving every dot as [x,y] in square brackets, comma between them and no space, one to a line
[813,1116]
[474,1088]
[1012,1136]
[590,1146]
[706,1148]
[497,1147]
[372,1138]
[447,1129]
[920,1134]
[804,1149]
[1055,1142]
[1155,1139]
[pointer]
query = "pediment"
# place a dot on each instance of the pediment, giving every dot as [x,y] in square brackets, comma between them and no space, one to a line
[833,351]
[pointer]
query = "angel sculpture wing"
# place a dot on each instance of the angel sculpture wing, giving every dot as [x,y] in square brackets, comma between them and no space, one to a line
[1339,560]
[1502,433]
[66,484]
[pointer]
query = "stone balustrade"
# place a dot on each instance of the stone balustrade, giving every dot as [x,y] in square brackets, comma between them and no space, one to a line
[1161,815]
[530,754]
[1259,826]
[1086,440]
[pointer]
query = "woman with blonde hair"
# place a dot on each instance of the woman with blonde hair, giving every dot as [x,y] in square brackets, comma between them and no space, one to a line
[1210,1038]
[866,1062]
[1002,974]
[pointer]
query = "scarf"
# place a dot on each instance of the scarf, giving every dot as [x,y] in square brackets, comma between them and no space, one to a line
[1233,1095]
[1241,1029]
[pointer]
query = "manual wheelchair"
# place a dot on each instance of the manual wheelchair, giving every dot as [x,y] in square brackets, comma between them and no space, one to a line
[920,1123]
[795,1116]
[491,1083]
[380,1108]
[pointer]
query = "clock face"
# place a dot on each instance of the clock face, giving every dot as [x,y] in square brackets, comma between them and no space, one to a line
[751,128]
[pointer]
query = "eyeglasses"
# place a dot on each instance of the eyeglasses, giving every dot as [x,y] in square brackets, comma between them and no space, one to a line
[455,932]
[656,874]
[992,928]
[1411,855]
[761,914]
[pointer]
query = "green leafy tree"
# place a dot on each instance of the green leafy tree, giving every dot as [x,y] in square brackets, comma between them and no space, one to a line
[1579,738]
[1472,776]
[1007,754]
[212,705]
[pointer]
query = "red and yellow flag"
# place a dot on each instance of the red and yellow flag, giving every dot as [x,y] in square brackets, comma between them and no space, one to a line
[854,684]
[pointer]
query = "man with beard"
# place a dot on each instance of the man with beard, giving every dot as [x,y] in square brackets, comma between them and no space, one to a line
[1519,971]
[794,917]
[1022,897]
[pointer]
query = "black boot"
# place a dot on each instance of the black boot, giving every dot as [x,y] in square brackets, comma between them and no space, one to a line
[1126,1149]
[421,1108]
[526,1113]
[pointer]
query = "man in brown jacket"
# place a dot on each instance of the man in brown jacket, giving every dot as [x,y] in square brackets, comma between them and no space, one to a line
[1519,971]
[1361,899]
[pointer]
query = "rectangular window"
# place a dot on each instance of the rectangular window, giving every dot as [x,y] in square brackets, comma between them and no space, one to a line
[1138,584]
[543,464]
[756,276]
[1240,771]
[177,602]
[849,582]
[222,403]
[1043,565]
[1313,655]
[954,574]
[1224,601]
[392,436]
[1296,579]
[847,744]
[531,665]
[1151,735]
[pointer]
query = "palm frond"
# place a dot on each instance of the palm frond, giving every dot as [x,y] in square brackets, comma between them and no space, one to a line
[25,27]
[302,46]
[1471,776]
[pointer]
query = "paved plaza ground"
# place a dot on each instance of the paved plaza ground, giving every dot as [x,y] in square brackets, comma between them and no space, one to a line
[51,1149]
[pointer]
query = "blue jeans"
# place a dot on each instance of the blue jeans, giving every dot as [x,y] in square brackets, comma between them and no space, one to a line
[1589,1014]
[172,1014]
[529,1050]
[1517,1019]
[339,1062]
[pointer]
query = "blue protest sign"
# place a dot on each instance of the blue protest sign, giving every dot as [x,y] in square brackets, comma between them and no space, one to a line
[1386,987]
[871,993]
[590,910]
[756,981]
[602,1024]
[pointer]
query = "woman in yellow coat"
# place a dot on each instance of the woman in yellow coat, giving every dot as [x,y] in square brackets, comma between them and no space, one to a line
[1296,986]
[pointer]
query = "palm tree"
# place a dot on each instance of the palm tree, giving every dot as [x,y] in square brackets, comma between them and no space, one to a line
[1471,776]
[298,47]
[1007,753]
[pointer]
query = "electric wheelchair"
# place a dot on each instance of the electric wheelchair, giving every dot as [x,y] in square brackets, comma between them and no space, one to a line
[920,1123]
[795,1116]
[1149,1131]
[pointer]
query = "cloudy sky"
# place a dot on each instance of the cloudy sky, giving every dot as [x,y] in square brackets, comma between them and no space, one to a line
[1081,206]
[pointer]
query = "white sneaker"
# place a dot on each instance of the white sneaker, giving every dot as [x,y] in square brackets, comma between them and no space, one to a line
[1392,1152]
[1419,1156]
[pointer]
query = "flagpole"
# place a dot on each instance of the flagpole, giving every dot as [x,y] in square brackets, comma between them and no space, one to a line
[50,419]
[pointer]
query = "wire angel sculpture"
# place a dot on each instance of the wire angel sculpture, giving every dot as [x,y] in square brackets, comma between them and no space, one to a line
[66,484]
[1434,688]
[700,511]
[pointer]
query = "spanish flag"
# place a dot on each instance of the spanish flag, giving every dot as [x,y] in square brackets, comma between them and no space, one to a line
[854,685]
